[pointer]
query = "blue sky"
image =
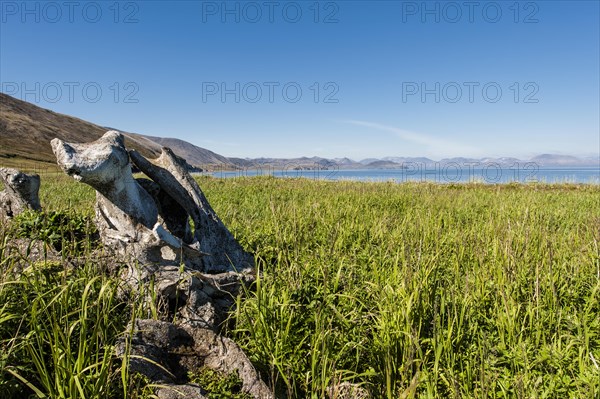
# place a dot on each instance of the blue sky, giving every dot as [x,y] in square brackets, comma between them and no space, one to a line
[330,78]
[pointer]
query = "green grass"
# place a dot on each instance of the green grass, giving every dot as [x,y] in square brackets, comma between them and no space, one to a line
[59,320]
[410,290]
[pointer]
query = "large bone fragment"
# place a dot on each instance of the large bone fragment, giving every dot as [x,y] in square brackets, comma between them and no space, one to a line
[126,214]
[224,252]
[104,165]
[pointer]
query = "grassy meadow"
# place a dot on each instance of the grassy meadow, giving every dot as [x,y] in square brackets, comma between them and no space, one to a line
[411,290]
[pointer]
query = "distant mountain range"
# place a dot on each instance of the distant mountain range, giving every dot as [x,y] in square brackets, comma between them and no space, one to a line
[26,131]
[545,160]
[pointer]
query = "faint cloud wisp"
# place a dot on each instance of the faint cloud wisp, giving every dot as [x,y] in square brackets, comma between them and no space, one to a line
[433,145]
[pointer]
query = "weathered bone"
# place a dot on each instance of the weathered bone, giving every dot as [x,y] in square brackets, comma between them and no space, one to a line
[21,192]
[147,221]
[126,214]
[104,165]
[214,238]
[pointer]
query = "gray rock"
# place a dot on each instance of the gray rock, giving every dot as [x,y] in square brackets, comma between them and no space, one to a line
[166,353]
[172,391]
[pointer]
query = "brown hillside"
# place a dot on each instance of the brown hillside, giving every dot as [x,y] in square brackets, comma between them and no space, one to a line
[26,131]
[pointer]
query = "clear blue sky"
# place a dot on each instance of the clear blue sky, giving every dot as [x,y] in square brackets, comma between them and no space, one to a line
[387,78]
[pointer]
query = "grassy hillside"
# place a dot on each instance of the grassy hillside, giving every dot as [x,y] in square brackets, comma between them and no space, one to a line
[26,131]
[412,290]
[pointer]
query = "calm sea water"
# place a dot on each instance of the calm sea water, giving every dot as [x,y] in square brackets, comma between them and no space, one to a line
[450,174]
